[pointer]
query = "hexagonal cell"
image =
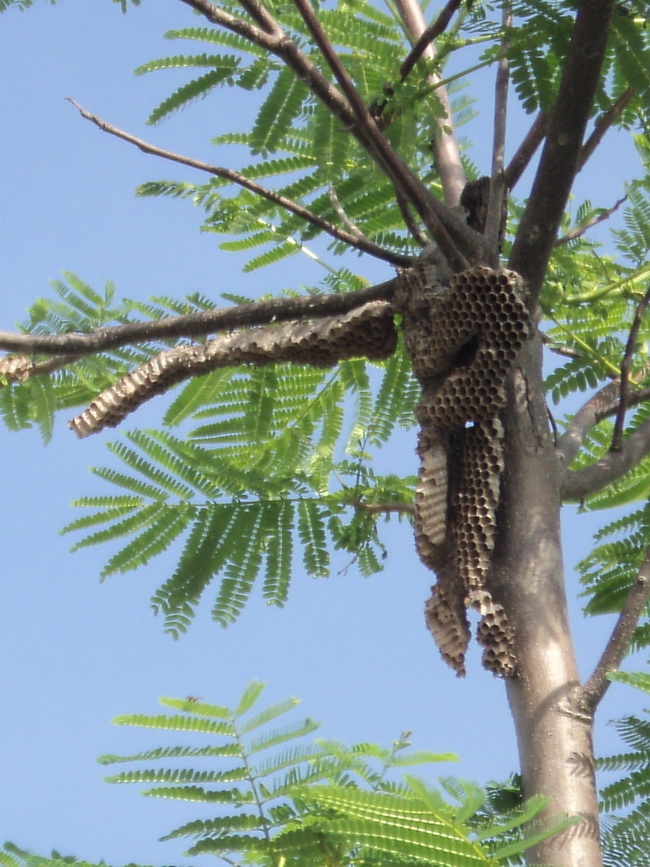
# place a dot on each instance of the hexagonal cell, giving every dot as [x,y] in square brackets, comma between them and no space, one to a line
[463,339]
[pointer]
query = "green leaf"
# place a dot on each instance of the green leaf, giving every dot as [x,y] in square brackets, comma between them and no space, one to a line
[249,697]
[279,110]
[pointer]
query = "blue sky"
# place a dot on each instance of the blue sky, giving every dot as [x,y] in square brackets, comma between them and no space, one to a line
[76,653]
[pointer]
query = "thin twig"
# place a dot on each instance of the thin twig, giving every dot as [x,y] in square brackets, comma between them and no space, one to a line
[560,348]
[497,204]
[340,213]
[526,150]
[617,436]
[410,223]
[432,32]
[365,123]
[363,244]
[196,324]
[332,59]
[603,124]
[593,221]
[618,645]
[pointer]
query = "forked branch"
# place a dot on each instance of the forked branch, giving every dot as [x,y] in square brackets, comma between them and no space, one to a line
[578,484]
[459,245]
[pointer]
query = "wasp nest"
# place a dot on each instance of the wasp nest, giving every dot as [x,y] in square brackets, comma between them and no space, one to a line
[463,339]
[366,331]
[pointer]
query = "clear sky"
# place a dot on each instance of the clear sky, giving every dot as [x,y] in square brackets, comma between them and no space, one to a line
[76,653]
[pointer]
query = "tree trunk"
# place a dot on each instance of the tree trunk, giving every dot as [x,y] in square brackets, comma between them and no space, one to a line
[555,743]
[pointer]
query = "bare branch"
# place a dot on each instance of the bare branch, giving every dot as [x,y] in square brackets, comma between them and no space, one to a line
[601,405]
[360,109]
[367,331]
[363,244]
[604,214]
[444,144]
[196,324]
[526,150]
[561,153]
[340,213]
[578,484]
[603,124]
[411,224]
[630,346]
[428,36]
[618,645]
[496,205]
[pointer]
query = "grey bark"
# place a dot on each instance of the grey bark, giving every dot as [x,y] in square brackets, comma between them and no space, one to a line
[554,740]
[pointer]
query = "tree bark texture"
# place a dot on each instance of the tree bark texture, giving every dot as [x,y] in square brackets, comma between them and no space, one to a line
[554,740]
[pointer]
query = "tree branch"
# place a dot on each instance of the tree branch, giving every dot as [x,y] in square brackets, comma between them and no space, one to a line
[498,192]
[410,223]
[196,324]
[561,153]
[363,244]
[593,411]
[360,109]
[630,346]
[459,245]
[578,484]
[428,36]
[526,150]
[603,124]
[637,598]
[601,405]
[594,221]
[444,144]
[263,17]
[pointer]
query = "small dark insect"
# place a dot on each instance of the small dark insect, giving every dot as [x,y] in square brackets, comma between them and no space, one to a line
[192,699]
